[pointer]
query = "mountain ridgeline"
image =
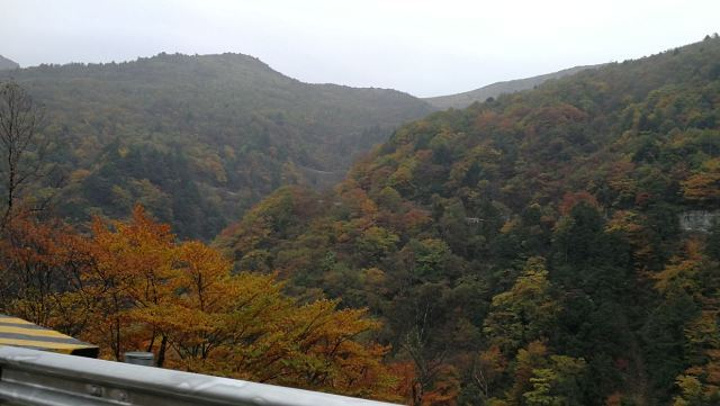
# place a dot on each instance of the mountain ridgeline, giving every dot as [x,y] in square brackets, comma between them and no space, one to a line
[528,250]
[198,139]
[465,99]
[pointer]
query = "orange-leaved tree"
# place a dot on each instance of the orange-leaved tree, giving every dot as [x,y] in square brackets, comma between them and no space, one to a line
[38,261]
[138,288]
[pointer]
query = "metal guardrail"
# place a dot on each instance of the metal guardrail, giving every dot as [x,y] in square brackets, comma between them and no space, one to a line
[34,378]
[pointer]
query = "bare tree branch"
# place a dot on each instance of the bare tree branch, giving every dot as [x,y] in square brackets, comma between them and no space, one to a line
[21,148]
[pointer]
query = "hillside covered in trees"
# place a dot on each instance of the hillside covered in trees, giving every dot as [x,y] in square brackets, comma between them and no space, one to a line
[529,250]
[198,139]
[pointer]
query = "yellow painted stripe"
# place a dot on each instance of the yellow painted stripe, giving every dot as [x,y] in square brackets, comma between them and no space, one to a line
[13,320]
[43,344]
[32,332]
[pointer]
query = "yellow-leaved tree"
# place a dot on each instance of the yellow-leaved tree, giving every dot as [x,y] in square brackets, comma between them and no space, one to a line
[132,286]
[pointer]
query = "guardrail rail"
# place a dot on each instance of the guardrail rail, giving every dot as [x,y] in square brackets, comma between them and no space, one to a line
[34,378]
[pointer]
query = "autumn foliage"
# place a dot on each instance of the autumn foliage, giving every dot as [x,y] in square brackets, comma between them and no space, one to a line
[558,246]
[131,286]
[530,250]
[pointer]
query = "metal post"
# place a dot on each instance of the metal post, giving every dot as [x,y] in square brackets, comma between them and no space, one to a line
[140,358]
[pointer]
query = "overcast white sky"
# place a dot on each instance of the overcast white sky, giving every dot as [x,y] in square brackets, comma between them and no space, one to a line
[421,47]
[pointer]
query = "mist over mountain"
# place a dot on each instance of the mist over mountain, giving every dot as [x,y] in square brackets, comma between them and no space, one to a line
[560,241]
[462,100]
[198,139]
[230,208]
[7,64]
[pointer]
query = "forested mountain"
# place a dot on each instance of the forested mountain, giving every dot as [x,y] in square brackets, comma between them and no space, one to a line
[198,139]
[465,99]
[7,64]
[529,250]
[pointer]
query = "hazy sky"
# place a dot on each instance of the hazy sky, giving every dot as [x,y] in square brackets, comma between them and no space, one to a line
[419,46]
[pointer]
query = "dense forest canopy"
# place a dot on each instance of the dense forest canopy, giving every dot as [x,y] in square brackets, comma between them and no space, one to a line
[530,250]
[198,139]
[557,246]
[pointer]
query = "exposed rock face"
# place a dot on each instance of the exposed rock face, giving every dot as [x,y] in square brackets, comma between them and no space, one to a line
[7,64]
[699,220]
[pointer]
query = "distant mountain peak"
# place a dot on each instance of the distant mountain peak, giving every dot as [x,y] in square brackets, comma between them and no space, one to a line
[226,127]
[462,100]
[7,64]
